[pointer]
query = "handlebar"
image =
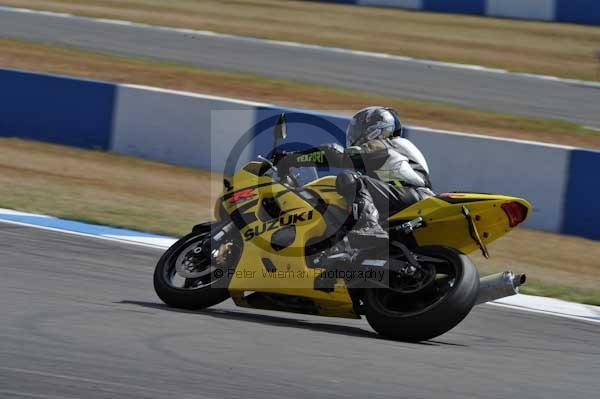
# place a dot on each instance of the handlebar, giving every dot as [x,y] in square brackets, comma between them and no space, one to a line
[282,174]
[267,161]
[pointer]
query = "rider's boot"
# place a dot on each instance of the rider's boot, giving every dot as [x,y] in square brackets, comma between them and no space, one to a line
[367,231]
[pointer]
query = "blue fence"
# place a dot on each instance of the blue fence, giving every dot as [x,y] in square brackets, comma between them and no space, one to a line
[575,11]
[201,131]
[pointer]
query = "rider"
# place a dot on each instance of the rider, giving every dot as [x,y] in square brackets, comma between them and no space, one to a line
[394,171]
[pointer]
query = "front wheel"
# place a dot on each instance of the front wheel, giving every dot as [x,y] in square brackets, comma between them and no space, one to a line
[431,311]
[192,274]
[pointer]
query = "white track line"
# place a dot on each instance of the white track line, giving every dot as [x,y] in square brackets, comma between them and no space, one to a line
[77,233]
[340,50]
[545,312]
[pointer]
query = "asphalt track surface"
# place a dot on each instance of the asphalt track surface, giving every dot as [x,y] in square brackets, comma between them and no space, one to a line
[79,319]
[485,90]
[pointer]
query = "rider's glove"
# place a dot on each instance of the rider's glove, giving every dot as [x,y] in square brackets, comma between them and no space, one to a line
[278,156]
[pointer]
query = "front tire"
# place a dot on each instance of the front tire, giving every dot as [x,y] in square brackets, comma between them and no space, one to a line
[194,293]
[399,319]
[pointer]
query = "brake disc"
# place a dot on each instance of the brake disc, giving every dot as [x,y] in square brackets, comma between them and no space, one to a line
[193,262]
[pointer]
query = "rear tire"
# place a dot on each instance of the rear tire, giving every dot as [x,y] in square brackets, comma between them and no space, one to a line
[440,316]
[186,298]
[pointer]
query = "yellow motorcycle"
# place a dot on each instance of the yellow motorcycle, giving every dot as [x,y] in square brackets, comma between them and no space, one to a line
[278,244]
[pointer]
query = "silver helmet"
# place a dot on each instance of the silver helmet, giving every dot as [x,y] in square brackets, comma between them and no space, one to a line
[372,123]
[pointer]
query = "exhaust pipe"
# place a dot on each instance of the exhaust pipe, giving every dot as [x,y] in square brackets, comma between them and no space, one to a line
[499,285]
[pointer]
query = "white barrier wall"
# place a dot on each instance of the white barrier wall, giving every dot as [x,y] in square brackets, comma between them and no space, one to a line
[463,162]
[530,9]
[200,131]
[180,128]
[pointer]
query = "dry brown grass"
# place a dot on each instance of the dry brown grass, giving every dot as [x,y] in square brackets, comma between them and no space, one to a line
[25,55]
[550,48]
[122,191]
[563,266]
[104,188]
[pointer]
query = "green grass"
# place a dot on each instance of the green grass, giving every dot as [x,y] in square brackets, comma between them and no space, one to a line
[561,292]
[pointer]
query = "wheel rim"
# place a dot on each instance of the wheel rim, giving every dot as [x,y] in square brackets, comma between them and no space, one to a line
[400,303]
[194,266]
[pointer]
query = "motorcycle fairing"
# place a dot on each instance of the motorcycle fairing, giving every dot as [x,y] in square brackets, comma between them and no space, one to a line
[283,270]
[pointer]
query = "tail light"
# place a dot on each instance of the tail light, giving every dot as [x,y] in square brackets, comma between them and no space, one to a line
[516,213]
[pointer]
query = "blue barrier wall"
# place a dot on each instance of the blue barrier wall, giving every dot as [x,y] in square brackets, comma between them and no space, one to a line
[56,109]
[201,131]
[578,11]
[581,215]
[476,7]
[575,11]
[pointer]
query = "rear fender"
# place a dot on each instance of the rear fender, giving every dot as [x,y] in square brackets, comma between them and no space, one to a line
[446,224]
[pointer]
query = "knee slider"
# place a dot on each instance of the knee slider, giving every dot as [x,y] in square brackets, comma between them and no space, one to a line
[346,184]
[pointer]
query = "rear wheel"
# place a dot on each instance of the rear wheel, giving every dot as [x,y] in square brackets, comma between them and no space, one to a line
[194,275]
[413,312]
